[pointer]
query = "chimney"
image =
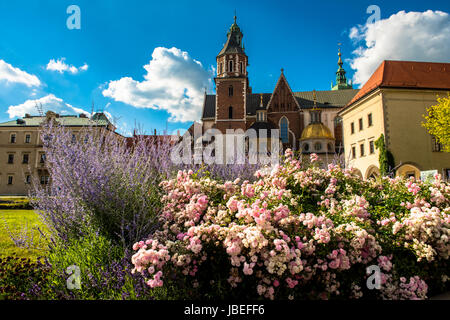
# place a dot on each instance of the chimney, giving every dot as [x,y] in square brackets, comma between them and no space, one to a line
[178,132]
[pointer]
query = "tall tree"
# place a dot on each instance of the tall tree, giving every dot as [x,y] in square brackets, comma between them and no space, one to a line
[438,121]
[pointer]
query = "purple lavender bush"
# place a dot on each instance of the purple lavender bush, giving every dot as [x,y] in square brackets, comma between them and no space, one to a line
[98,183]
[103,196]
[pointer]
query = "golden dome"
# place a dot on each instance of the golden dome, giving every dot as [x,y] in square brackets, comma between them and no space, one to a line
[316,131]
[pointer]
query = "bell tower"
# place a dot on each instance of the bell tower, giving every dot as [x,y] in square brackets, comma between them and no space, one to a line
[232,85]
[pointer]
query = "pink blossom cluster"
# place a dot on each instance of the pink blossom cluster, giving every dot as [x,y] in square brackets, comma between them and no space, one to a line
[295,231]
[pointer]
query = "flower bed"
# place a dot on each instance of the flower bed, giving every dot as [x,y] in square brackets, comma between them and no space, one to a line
[299,233]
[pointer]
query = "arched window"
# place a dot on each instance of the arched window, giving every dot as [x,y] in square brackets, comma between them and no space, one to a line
[230,91]
[230,66]
[241,70]
[220,68]
[230,112]
[284,130]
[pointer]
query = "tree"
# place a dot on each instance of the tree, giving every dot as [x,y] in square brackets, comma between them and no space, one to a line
[438,122]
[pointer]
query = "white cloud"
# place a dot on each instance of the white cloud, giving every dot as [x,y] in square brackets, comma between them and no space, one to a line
[174,82]
[49,102]
[417,36]
[61,66]
[11,74]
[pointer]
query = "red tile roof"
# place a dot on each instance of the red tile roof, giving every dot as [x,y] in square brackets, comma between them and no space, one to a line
[407,74]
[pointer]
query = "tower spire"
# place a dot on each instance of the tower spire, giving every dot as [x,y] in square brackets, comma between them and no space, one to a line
[341,79]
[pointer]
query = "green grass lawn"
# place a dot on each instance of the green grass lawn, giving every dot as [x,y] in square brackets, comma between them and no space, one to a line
[21,222]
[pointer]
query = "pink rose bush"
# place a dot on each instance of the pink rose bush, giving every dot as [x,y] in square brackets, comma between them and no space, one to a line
[298,233]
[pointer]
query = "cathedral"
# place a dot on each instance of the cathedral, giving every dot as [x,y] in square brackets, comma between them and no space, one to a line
[307,120]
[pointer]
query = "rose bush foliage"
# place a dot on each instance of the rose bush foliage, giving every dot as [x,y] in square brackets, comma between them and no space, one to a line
[298,232]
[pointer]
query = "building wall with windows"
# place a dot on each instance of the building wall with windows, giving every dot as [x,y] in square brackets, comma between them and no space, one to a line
[22,157]
[398,114]
[354,137]
[413,147]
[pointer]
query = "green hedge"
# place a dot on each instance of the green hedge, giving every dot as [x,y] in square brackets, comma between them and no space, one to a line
[15,203]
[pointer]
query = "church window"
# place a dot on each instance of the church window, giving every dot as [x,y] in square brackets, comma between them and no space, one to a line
[230,112]
[306,147]
[230,91]
[284,130]
[241,69]
[230,66]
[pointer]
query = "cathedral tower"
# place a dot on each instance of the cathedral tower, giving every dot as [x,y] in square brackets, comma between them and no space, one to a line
[232,85]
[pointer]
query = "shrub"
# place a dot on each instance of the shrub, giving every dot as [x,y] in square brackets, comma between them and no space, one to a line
[15,203]
[298,233]
[97,183]
[19,276]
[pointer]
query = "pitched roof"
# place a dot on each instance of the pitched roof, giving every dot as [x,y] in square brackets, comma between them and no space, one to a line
[325,99]
[72,120]
[234,38]
[407,74]
[209,106]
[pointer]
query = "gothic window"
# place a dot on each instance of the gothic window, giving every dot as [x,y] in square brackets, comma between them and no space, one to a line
[284,130]
[230,112]
[230,91]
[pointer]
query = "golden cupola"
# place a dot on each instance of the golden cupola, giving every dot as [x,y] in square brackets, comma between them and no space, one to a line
[316,131]
[316,137]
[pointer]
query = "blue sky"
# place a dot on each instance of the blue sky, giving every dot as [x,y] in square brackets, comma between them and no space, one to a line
[117,39]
